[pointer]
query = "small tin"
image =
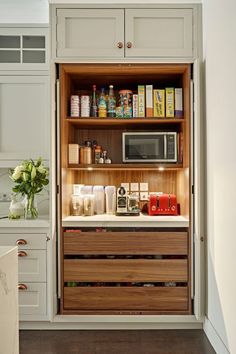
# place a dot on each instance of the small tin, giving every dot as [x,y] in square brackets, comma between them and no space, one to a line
[74,106]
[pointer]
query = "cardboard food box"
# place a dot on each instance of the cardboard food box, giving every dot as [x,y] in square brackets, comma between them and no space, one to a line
[178,102]
[170,104]
[149,100]
[141,101]
[159,103]
[135,105]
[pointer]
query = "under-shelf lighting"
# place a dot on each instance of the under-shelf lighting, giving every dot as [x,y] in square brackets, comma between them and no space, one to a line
[161,168]
[89,168]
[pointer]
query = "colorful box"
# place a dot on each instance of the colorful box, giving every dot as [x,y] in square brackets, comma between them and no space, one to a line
[135,105]
[178,102]
[149,100]
[159,103]
[141,101]
[170,104]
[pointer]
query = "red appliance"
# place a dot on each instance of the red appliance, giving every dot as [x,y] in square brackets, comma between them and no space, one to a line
[162,204]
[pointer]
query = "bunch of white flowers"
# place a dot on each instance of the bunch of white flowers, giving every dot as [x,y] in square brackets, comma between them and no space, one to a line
[30,178]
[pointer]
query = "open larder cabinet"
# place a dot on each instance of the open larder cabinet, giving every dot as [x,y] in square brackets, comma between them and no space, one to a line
[136,267]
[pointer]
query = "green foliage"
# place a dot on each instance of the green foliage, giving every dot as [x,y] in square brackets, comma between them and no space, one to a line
[30,177]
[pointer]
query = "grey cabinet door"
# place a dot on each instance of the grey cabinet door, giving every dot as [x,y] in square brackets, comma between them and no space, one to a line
[159,33]
[85,33]
[24,117]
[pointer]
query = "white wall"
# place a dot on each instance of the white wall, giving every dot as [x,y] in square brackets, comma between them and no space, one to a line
[24,11]
[220,68]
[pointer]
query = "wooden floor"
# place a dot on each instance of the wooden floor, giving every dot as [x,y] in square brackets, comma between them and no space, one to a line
[115,342]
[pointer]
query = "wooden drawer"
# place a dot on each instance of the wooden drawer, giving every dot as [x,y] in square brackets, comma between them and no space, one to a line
[126,298]
[163,243]
[132,270]
[33,241]
[32,266]
[32,300]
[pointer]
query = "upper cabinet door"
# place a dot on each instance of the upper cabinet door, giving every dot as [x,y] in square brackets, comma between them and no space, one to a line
[24,118]
[85,33]
[166,33]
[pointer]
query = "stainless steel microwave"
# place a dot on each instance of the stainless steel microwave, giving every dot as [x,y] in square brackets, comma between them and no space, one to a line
[149,147]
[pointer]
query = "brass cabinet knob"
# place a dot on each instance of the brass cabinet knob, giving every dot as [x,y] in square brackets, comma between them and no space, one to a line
[129,45]
[22,287]
[22,254]
[21,241]
[120,45]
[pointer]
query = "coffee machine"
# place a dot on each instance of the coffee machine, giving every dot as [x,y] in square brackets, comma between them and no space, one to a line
[126,204]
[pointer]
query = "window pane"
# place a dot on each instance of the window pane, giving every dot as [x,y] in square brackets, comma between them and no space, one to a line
[9,41]
[9,56]
[33,42]
[33,56]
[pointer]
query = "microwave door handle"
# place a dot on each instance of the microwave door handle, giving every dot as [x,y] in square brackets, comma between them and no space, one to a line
[165,147]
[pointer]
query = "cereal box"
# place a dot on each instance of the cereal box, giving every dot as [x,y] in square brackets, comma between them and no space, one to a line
[159,103]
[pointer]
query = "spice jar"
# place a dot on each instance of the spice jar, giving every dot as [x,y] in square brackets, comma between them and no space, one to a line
[97,153]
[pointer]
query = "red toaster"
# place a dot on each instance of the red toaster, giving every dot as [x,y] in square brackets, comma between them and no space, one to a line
[162,204]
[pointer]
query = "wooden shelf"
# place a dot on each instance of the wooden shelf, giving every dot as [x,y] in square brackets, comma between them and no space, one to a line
[113,166]
[92,121]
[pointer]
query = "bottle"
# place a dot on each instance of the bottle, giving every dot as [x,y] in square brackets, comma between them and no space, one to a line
[111,105]
[94,107]
[102,105]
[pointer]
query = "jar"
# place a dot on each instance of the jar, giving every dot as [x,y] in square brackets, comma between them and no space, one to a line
[97,153]
[85,155]
[77,205]
[88,204]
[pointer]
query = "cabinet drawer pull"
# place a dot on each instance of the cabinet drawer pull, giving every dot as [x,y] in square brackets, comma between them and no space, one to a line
[129,45]
[22,254]
[22,287]
[21,241]
[120,45]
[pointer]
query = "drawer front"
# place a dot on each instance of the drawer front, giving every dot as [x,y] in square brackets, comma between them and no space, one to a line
[24,241]
[149,243]
[130,298]
[140,270]
[32,266]
[32,300]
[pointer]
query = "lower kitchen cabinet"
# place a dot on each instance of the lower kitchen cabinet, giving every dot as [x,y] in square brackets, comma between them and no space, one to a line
[32,299]
[32,272]
[131,271]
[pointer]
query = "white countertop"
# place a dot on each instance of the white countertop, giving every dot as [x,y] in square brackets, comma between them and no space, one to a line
[125,221]
[40,222]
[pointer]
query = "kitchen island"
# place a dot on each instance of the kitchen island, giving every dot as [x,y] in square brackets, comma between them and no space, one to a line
[9,328]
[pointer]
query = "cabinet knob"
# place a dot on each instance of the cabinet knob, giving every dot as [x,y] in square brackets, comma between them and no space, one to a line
[129,45]
[120,45]
[22,287]
[22,254]
[21,241]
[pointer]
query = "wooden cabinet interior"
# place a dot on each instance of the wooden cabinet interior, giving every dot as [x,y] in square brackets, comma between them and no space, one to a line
[172,178]
[76,78]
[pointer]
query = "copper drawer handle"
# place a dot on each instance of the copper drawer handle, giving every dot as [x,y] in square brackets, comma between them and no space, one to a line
[22,254]
[129,45]
[120,45]
[21,241]
[22,287]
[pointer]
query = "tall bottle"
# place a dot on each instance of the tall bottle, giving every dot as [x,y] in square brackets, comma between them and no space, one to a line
[111,105]
[102,105]
[94,107]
